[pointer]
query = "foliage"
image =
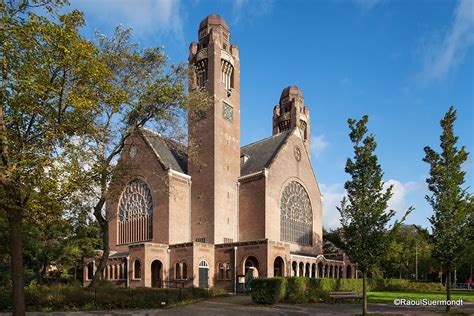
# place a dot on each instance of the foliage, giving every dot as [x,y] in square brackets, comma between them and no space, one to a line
[408,242]
[70,297]
[364,215]
[452,205]
[52,83]
[268,291]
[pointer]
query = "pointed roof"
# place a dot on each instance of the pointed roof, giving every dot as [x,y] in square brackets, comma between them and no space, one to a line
[170,153]
[261,153]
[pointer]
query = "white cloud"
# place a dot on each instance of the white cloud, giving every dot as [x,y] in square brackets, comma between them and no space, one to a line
[145,17]
[441,57]
[400,190]
[332,196]
[318,144]
[245,10]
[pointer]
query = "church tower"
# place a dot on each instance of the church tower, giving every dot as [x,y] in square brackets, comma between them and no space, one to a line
[214,164]
[290,113]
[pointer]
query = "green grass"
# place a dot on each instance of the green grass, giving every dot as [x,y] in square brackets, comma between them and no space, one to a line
[388,297]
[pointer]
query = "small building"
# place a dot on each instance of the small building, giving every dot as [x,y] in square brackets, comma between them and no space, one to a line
[222,214]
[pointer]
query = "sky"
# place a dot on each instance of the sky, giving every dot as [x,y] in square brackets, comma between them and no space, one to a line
[403,63]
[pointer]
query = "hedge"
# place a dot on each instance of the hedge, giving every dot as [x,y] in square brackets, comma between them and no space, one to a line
[303,290]
[67,297]
[268,291]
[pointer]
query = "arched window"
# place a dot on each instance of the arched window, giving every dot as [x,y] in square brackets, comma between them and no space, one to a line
[221,271]
[181,272]
[178,271]
[227,271]
[184,272]
[137,269]
[296,217]
[135,213]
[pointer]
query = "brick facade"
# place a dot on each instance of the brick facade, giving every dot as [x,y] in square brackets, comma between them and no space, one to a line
[217,218]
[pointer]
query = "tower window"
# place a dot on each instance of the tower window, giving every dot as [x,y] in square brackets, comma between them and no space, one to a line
[224,47]
[228,112]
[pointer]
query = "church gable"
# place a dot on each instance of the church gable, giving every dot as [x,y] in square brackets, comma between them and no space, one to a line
[291,167]
[171,154]
[259,155]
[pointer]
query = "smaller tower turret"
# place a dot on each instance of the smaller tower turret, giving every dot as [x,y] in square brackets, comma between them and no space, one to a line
[291,113]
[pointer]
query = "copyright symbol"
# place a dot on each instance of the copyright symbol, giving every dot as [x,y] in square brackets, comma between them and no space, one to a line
[396,302]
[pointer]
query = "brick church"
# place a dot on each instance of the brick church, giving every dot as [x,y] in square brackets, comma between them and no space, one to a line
[228,213]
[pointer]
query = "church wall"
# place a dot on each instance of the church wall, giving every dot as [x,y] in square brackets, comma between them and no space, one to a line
[252,209]
[146,167]
[203,252]
[284,169]
[180,210]
[225,256]
[278,249]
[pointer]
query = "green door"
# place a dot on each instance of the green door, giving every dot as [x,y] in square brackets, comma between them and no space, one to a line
[203,274]
[203,277]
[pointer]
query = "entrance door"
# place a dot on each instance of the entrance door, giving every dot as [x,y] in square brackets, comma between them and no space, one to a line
[203,274]
[156,272]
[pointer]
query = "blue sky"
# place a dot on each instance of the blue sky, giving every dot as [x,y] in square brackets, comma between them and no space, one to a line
[401,62]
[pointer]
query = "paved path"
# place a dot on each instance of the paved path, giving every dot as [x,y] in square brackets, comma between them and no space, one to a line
[242,305]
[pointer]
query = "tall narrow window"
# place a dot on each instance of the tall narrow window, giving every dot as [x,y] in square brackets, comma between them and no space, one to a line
[178,271]
[221,272]
[135,213]
[137,269]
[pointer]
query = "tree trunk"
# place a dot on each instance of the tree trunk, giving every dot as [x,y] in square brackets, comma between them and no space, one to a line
[364,293]
[15,223]
[448,290]
[104,229]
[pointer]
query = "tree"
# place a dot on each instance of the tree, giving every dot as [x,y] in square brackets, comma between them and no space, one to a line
[147,91]
[50,87]
[409,245]
[364,215]
[451,204]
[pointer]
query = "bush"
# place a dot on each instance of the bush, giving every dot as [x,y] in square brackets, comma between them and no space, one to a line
[268,291]
[67,297]
[297,290]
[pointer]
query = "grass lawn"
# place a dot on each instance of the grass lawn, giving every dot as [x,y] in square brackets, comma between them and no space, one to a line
[388,297]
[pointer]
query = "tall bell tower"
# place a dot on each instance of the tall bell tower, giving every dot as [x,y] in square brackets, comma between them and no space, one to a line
[214,163]
[290,113]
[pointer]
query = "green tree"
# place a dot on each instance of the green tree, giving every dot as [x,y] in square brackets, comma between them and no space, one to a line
[50,87]
[364,215]
[409,245]
[449,200]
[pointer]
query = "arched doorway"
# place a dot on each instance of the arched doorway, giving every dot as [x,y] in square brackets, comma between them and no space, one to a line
[294,267]
[313,270]
[301,269]
[251,269]
[203,274]
[278,267]
[156,274]
[349,272]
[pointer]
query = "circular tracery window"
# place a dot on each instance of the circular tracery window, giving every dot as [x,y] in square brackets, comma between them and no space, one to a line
[296,215]
[136,201]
